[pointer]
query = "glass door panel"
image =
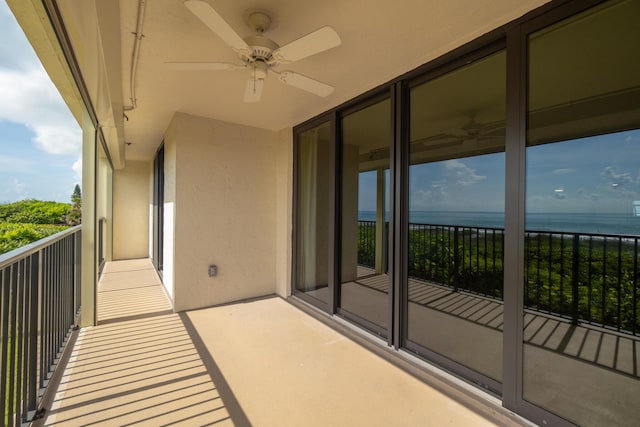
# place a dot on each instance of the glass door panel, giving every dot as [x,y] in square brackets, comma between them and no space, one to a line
[456,217]
[313,212]
[364,282]
[580,350]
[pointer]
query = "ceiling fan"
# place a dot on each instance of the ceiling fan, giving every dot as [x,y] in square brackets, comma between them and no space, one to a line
[471,132]
[474,130]
[259,54]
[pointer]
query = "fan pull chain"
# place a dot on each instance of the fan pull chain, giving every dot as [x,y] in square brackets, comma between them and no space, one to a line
[254,77]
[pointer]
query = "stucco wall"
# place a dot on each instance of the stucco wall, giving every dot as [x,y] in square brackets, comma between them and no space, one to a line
[150,208]
[131,211]
[168,230]
[104,205]
[225,211]
[284,211]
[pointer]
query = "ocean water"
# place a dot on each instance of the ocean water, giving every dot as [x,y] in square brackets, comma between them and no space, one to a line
[569,222]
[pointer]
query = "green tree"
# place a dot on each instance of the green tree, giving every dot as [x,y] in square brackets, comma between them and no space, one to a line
[75,214]
[34,212]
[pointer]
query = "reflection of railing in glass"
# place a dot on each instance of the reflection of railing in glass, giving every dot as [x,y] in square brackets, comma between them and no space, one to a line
[367,245]
[102,223]
[586,277]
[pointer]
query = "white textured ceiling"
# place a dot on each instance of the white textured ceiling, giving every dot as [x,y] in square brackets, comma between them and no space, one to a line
[380,40]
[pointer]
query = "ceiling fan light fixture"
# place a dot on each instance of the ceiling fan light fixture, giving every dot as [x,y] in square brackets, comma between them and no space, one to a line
[259,70]
[253,90]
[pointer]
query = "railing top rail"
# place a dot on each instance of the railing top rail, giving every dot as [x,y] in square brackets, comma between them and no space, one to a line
[585,234]
[568,233]
[479,227]
[27,250]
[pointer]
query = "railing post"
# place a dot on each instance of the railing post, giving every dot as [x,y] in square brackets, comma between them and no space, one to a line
[77,274]
[385,248]
[34,285]
[456,259]
[635,286]
[575,279]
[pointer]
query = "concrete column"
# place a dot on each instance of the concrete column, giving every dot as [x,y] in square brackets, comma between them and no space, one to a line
[89,220]
[350,176]
[381,246]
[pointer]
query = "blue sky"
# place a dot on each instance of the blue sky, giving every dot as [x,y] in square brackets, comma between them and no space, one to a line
[599,174]
[40,141]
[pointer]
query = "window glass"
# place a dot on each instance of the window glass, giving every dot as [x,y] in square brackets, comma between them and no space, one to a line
[314,160]
[365,284]
[456,216]
[582,218]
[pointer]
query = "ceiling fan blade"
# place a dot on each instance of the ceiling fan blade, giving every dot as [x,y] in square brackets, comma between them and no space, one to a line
[253,90]
[457,132]
[318,41]
[200,66]
[441,142]
[438,142]
[305,83]
[496,129]
[212,19]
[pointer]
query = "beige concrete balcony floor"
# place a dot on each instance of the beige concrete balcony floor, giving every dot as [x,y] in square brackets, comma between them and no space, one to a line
[261,363]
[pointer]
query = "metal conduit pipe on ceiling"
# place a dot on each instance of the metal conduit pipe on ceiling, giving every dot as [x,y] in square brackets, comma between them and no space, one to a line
[142,4]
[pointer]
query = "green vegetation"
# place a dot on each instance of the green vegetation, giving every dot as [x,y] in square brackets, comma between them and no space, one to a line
[601,272]
[13,235]
[367,243]
[467,260]
[604,269]
[22,223]
[35,212]
[26,221]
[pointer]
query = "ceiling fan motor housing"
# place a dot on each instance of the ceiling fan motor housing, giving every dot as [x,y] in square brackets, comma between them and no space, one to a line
[261,47]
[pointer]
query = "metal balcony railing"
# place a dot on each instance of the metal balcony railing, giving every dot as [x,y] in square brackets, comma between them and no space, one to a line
[585,277]
[39,303]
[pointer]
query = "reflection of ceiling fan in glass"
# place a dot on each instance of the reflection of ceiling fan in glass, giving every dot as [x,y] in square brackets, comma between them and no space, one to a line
[471,133]
[259,54]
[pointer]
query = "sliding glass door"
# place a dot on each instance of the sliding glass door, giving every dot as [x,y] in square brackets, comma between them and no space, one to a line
[364,283]
[580,345]
[158,210]
[483,213]
[314,172]
[456,217]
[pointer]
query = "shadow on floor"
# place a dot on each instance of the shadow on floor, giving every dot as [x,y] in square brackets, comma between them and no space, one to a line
[143,364]
[600,347]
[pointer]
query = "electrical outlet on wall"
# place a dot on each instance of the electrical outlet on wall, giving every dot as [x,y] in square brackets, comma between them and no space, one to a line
[213,270]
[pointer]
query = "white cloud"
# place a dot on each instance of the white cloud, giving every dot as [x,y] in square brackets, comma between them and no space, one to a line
[15,164]
[29,98]
[563,171]
[632,138]
[616,179]
[19,189]
[77,170]
[461,174]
